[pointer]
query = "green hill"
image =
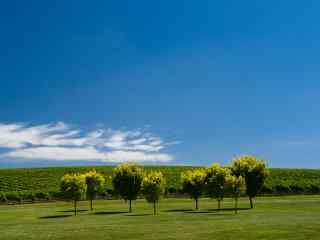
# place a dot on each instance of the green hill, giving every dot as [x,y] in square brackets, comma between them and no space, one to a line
[280,181]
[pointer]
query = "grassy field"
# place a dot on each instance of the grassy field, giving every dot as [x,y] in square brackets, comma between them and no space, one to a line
[281,181]
[291,217]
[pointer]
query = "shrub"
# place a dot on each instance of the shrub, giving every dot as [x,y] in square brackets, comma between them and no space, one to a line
[171,190]
[56,195]
[282,188]
[3,197]
[27,196]
[314,189]
[42,196]
[13,197]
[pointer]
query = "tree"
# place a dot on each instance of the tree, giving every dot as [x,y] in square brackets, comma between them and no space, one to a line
[127,180]
[236,186]
[95,184]
[216,181]
[193,182]
[153,187]
[254,172]
[73,187]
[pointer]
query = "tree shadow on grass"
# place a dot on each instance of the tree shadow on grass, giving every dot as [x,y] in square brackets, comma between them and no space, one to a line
[72,211]
[55,216]
[109,212]
[228,209]
[196,212]
[138,215]
[178,210]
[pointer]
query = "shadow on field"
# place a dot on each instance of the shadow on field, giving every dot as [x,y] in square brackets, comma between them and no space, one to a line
[56,216]
[178,210]
[138,215]
[109,212]
[196,212]
[228,209]
[72,211]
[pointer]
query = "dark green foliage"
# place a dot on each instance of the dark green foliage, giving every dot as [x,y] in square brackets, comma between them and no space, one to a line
[73,187]
[13,197]
[95,184]
[153,186]
[42,196]
[216,177]
[55,195]
[235,185]
[254,171]
[193,183]
[27,196]
[3,198]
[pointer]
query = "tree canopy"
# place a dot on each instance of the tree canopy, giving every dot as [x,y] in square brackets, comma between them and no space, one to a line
[127,179]
[216,181]
[73,187]
[193,182]
[254,172]
[95,184]
[153,185]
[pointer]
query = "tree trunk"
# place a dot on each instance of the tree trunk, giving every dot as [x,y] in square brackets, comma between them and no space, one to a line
[197,204]
[251,202]
[236,205]
[75,207]
[130,207]
[219,204]
[91,205]
[154,208]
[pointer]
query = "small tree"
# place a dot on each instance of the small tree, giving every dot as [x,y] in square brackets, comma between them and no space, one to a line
[95,184]
[193,182]
[127,180]
[254,172]
[216,181]
[153,185]
[236,186]
[73,188]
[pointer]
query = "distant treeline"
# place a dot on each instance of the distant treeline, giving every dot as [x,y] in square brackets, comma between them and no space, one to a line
[44,183]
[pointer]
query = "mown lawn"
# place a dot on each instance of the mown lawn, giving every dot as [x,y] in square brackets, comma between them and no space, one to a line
[294,217]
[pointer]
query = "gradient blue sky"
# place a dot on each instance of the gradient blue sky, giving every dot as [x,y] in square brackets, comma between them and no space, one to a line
[209,79]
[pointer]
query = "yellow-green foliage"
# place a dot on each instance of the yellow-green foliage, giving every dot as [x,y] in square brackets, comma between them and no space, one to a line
[95,184]
[153,186]
[235,185]
[216,181]
[73,186]
[254,172]
[193,182]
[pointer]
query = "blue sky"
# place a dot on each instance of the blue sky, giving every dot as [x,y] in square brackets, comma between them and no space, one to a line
[170,82]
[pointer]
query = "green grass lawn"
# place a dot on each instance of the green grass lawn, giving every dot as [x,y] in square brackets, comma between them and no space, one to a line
[294,217]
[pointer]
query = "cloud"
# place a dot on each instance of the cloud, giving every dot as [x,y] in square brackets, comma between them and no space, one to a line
[62,142]
[56,153]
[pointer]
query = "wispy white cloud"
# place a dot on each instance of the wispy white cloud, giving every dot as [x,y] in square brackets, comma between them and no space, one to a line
[63,142]
[56,153]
